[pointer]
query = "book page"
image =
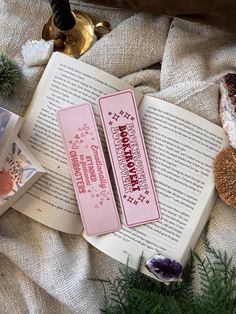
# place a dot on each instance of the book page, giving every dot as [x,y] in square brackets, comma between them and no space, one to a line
[65,82]
[181,147]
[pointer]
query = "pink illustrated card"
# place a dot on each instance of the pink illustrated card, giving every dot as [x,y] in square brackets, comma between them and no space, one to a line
[129,158]
[88,169]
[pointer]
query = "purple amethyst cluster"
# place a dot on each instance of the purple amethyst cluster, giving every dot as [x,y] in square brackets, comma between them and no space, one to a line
[165,269]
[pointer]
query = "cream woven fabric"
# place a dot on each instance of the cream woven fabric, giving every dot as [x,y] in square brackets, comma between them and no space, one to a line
[42,270]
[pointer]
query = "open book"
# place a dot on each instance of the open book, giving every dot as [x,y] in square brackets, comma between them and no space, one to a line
[181,147]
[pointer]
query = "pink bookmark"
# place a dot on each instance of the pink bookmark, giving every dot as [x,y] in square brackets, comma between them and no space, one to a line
[88,169]
[129,158]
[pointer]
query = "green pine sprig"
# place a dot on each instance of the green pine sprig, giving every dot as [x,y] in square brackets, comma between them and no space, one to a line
[218,282]
[10,75]
[134,293]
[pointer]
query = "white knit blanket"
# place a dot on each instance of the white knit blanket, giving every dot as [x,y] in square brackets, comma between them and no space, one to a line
[44,271]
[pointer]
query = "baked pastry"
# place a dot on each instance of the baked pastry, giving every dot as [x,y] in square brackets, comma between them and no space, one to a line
[227,106]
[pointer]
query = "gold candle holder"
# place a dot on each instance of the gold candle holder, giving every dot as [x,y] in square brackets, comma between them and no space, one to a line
[75,41]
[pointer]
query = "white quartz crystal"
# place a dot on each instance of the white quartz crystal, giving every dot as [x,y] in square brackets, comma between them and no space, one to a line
[37,52]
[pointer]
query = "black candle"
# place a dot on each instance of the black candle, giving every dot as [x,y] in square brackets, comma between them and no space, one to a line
[63,18]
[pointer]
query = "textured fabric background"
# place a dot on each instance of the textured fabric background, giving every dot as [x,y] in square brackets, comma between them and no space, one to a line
[45,271]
